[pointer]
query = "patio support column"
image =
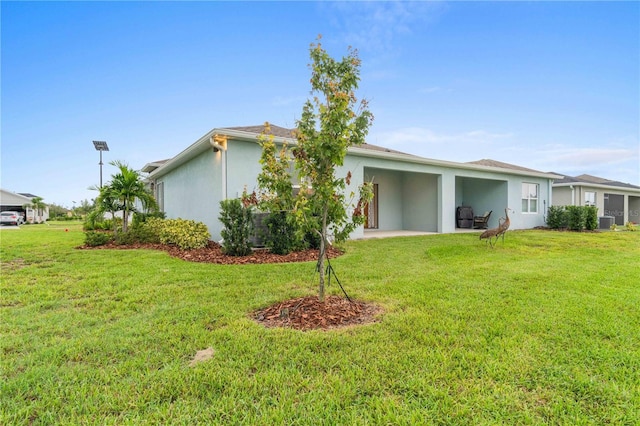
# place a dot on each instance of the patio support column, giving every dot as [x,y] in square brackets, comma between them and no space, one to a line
[625,208]
[447,203]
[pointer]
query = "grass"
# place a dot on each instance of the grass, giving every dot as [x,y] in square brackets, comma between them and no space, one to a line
[543,329]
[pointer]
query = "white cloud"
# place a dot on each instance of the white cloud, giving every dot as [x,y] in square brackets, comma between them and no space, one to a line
[581,160]
[411,135]
[613,161]
[374,26]
[590,156]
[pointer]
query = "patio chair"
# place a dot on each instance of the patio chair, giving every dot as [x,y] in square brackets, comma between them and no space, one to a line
[482,222]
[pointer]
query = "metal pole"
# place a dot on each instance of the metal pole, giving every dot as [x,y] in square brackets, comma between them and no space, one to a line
[100,168]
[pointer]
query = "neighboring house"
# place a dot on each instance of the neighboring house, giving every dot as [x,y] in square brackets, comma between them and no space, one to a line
[615,199]
[16,201]
[410,192]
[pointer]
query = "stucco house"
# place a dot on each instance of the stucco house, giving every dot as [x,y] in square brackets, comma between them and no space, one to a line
[12,201]
[618,200]
[411,193]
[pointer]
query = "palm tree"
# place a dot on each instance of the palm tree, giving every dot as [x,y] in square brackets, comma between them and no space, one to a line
[106,202]
[127,187]
[37,205]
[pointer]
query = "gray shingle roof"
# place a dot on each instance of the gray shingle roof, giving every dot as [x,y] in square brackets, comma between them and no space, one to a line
[277,131]
[501,165]
[27,194]
[586,179]
[283,132]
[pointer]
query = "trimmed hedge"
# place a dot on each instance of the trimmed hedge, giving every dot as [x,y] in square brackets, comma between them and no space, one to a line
[94,238]
[238,224]
[557,217]
[575,218]
[186,234]
[283,235]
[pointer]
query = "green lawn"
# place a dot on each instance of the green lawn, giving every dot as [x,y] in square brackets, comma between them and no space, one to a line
[543,329]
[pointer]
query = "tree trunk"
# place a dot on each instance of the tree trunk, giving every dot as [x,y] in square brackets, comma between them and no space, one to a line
[323,253]
[125,219]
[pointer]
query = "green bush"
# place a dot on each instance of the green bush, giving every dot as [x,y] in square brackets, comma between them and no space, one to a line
[93,238]
[591,217]
[312,240]
[282,233]
[577,218]
[144,234]
[186,234]
[140,218]
[154,225]
[95,221]
[91,220]
[107,224]
[557,217]
[124,238]
[237,222]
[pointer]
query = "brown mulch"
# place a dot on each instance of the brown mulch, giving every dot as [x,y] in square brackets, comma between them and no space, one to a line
[304,313]
[308,313]
[213,254]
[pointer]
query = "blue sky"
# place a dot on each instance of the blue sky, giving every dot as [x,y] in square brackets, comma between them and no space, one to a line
[553,86]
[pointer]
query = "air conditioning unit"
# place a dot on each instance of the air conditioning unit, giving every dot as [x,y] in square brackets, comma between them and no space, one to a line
[605,222]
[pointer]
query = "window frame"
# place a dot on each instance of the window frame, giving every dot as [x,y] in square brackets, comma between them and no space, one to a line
[159,195]
[588,202]
[529,198]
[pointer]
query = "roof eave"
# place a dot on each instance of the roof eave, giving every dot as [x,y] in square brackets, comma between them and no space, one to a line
[202,144]
[196,148]
[451,164]
[596,185]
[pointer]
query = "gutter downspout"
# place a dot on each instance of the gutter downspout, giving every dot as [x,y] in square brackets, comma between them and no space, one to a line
[219,144]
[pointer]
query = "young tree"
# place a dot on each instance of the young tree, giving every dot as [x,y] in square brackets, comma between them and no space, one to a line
[276,196]
[85,207]
[331,123]
[57,211]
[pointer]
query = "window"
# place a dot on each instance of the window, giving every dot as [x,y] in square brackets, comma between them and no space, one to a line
[589,198]
[529,197]
[160,195]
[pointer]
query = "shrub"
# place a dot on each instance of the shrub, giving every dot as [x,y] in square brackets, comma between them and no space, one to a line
[124,238]
[154,225]
[107,224]
[283,235]
[591,217]
[91,220]
[312,240]
[237,221]
[557,217]
[186,234]
[576,217]
[93,238]
[141,218]
[630,226]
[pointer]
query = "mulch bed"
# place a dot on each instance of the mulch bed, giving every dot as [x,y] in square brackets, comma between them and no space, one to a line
[308,313]
[213,254]
[304,313]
